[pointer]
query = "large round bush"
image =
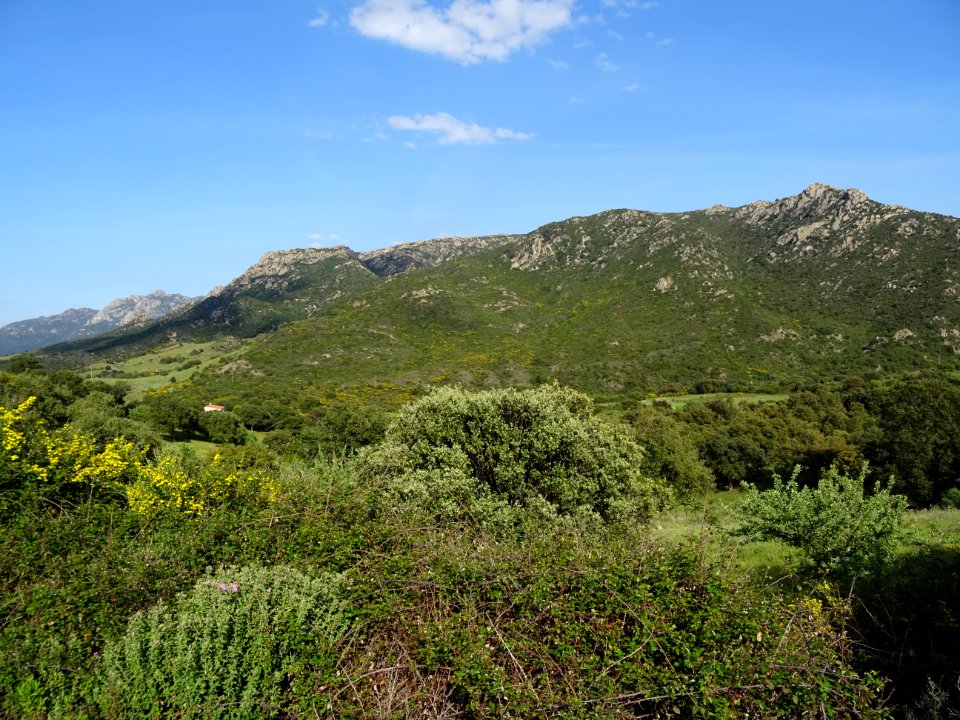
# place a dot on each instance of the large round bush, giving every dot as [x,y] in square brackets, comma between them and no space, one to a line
[500,457]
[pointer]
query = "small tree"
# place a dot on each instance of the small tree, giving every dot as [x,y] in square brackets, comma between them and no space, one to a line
[838,527]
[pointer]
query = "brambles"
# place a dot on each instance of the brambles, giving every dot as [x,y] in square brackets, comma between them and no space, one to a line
[551,628]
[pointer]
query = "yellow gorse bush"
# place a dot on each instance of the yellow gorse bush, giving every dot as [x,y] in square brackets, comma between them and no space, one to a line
[169,483]
[29,453]
[15,445]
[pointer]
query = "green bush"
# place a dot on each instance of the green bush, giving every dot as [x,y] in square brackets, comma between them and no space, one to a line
[839,529]
[670,452]
[503,457]
[229,648]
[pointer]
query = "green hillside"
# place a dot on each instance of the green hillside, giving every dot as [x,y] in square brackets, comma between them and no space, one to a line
[825,283]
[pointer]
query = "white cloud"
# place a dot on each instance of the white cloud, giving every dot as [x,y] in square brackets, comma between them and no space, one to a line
[322,18]
[318,240]
[318,135]
[631,88]
[468,31]
[558,64]
[453,131]
[574,100]
[603,62]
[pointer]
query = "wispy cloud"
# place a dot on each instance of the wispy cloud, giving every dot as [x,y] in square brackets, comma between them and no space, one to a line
[320,135]
[453,131]
[319,240]
[652,37]
[467,31]
[633,87]
[574,100]
[603,62]
[558,64]
[322,19]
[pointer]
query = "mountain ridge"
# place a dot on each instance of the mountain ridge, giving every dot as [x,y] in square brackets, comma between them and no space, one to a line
[825,281]
[75,323]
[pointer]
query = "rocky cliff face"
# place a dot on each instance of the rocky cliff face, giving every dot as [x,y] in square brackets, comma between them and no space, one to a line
[137,308]
[428,253]
[76,323]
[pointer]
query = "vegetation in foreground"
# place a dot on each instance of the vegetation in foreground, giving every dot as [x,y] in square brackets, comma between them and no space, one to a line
[138,582]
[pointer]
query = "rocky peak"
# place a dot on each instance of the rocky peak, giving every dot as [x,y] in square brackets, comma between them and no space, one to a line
[816,202]
[278,266]
[137,307]
[427,253]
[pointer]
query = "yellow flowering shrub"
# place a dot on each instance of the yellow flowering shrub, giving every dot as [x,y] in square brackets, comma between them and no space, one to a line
[28,453]
[22,445]
[175,483]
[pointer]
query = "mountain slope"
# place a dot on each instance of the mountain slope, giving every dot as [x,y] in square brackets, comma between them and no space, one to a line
[821,283]
[26,335]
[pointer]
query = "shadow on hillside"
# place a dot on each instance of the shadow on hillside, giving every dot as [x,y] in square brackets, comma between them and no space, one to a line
[909,622]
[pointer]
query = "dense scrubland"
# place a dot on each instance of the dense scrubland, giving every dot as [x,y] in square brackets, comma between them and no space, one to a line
[507,553]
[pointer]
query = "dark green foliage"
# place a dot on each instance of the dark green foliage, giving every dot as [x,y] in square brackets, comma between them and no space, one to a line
[670,452]
[20,363]
[222,427]
[175,415]
[841,527]
[500,456]
[919,437]
[102,416]
[909,622]
[746,443]
[55,393]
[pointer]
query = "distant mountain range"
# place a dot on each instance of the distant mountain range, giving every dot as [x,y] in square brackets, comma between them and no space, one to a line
[76,323]
[827,282]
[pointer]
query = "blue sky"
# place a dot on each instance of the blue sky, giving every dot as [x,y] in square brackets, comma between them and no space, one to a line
[168,145]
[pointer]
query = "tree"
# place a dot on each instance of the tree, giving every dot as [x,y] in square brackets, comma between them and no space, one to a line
[223,427]
[670,452]
[919,439]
